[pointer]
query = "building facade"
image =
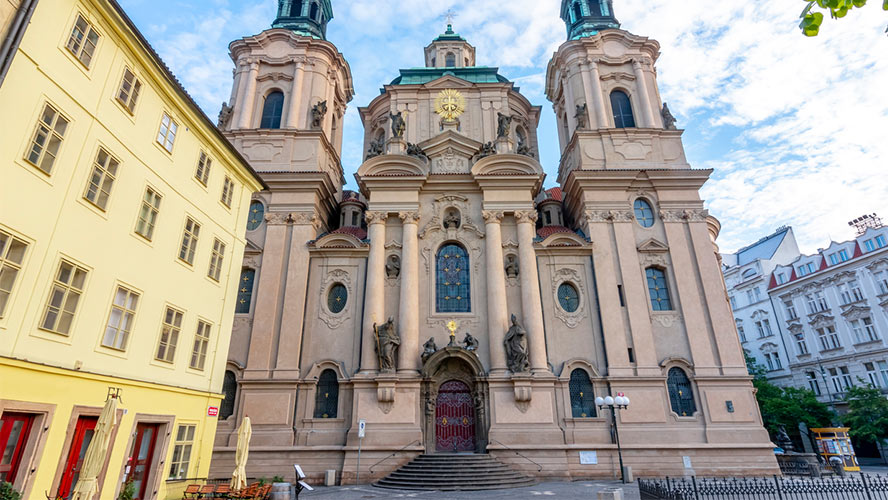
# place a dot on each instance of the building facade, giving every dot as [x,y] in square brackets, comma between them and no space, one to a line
[747,277]
[452,303]
[122,215]
[833,309]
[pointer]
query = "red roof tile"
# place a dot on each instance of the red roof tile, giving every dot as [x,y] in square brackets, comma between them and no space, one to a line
[546,231]
[357,232]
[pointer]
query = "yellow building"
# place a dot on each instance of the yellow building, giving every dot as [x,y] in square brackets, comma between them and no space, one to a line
[122,215]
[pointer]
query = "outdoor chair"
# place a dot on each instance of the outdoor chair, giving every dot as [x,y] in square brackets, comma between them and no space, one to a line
[223,491]
[192,491]
[206,490]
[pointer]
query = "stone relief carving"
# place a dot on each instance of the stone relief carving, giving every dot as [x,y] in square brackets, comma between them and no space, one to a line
[376,148]
[317,114]
[571,319]
[581,116]
[526,216]
[609,216]
[428,349]
[492,215]
[335,320]
[440,206]
[486,149]
[822,320]
[409,217]
[510,248]
[666,319]
[856,312]
[450,163]
[470,343]
[375,217]
[415,150]
[695,215]
[653,259]
[393,267]
[272,218]
[512,269]
[452,219]
[387,343]
[516,347]
[305,218]
[252,261]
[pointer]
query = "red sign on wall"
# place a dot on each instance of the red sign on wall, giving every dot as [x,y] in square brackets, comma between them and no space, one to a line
[213,411]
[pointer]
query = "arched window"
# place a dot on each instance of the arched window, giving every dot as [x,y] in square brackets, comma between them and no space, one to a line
[245,291]
[296,8]
[256,216]
[452,279]
[644,214]
[327,397]
[749,273]
[681,394]
[568,297]
[272,110]
[578,11]
[229,388]
[622,108]
[337,297]
[594,8]
[450,60]
[582,397]
[658,289]
[314,12]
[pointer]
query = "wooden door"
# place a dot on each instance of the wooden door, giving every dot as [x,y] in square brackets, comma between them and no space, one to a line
[83,434]
[454,418]
[14,431]
[140,460]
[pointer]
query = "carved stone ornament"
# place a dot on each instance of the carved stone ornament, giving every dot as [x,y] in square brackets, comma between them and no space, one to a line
[856,312]
[526,216]
[415,150]
[515,343]
[375,217]
[696,215]
[470,343]
[398,125]
[305,218]
[317,114]
[392,267]
[409,217]
[429,348]
[495,216]
[273,218]
[335,320]
[581,116]
[450,163]
[666,319]
[440,207]
[224,116]
[572,276]
[609,216]
[503,125]
[821,321]
[668,119]
[512,268]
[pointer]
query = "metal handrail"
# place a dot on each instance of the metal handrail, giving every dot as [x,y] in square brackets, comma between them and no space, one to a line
[540,467]
[393,454]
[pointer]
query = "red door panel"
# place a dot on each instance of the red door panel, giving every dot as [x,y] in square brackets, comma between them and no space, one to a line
[454,418]
[83,434]
[139,462]
[14,431]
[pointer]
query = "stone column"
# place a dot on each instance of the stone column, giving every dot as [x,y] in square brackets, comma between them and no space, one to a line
[591,112]
[249,96]
[408,308]
[531,302]
[641,84]
[374,302]
[295,110]
[571,105]
[598,100]
[327,124]
[497,313]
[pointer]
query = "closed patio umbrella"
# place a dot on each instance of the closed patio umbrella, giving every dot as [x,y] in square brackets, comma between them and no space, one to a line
[88,482]
[239,477]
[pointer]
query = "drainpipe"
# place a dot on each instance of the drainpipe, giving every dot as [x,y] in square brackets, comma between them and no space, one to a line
[14,36]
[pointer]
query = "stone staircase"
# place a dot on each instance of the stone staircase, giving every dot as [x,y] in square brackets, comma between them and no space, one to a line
[454,471]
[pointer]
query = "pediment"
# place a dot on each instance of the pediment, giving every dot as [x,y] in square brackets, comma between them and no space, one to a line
[856,312]
[507,164]
[450,152]
[652,245]
[338,240]
[251,248]
[563,240]
[449,82]
[393,166]
[821,320]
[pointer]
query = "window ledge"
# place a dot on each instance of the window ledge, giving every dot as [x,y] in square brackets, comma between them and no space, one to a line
[868,342]
[833,350]
[585,420]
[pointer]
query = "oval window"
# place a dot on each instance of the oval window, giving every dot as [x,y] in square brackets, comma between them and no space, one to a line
[257,214]
[336,298]
[644,214]
[568,297]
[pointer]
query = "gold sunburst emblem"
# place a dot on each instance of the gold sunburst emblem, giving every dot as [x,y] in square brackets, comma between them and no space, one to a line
[450,104]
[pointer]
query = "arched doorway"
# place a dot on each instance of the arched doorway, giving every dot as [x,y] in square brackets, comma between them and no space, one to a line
[454,418]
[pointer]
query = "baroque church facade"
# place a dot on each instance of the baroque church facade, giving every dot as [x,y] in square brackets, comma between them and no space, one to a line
[453,303]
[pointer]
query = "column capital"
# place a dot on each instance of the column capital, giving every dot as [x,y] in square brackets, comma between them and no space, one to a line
[375,217]
[609,216]
[409,217]
[526,216]
[697,215]
[276,218]
[305,218]
[492,216]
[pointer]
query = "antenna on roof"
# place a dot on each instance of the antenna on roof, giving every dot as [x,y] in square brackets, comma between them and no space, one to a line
[864,222]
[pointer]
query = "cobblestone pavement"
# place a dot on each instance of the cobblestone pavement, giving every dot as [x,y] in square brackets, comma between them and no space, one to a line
[586,490]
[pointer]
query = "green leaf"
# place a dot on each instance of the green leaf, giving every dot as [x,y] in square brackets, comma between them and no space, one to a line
[840,12]
[810,25]
[859,3]
[884,4]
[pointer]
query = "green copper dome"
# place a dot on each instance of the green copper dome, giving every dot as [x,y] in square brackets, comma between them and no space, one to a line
[305,17]
[587,17]
[449,35]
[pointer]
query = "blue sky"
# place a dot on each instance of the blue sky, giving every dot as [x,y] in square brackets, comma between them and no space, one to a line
[795,128]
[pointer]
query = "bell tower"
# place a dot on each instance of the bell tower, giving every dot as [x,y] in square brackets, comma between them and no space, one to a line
[449,50]
[304,17]
[587,17]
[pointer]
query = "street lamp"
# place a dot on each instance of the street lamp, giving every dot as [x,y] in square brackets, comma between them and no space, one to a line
[620,402]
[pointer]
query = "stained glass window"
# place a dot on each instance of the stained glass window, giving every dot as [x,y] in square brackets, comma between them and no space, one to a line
[337,298]
[622,108]
[452,275]
[568,297]
[582,397]
[245,291]
[644,214]
[256,215]
[327,397]
[681,395]
[272,110]
[229,388]
[658,289]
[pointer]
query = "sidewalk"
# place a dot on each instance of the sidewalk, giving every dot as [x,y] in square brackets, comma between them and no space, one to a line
[585,490]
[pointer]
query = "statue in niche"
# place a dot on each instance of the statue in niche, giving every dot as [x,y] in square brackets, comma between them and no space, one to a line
[224,115]
[486,150]
[398,125]
[415,150]
[317,114]
[376,148]
[503,125]
[452,220]
[523,148]
[668,119]
[387,343]
[516,347]
[393,267]
[429,348]
[582,117]
[470,343]
[511,267]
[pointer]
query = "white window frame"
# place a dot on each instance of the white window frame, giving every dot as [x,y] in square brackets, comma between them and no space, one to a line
[71,289]
[12,257]
[183,445]
[216,260]
[46,141]
[166,133]
[121,317]
[129,90]
[171,327]
[190,237]
[101,179]
[83,41]
[204,164]
[200,346]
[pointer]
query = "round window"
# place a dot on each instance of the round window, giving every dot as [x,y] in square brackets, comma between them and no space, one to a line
[644,214]
[257,213]
[337,298]
[568,297]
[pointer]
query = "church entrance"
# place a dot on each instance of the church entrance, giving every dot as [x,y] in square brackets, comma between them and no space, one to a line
[454,418]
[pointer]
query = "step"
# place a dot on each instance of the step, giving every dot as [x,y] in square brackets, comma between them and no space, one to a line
[454,471]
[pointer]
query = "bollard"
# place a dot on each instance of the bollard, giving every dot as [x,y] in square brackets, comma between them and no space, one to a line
[627,474]
[611,494]
[330,478]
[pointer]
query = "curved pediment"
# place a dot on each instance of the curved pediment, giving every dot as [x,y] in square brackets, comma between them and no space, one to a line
[564,240]
[338,240]
[507,164]
[393,166]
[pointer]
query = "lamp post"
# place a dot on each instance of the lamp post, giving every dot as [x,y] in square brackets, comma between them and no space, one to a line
[620,402]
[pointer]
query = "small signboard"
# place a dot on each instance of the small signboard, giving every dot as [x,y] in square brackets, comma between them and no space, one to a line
[213,411]
[687,462]
[362,428]
[588,457]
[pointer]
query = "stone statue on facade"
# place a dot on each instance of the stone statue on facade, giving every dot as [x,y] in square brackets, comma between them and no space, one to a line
[387,343]
[317,114]
[516,347]
[523,148]
[582,117]
[375,149]
[470,343]
[503,125]
[511,267]
[393,267]
[668,119]
[784,441]
[452,220]
[224,115]
[415,150]
[486,150]
[429,348]
[398,125]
